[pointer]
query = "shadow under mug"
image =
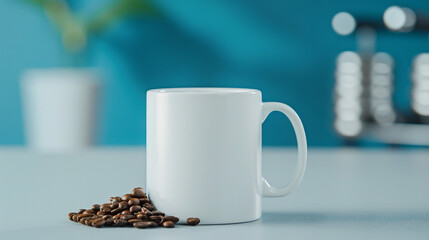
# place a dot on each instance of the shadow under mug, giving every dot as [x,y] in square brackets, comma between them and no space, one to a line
[204,153]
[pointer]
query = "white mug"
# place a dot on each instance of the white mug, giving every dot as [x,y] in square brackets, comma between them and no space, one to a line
[204,153]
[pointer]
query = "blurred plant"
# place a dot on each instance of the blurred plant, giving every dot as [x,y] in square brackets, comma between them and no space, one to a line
[76,30]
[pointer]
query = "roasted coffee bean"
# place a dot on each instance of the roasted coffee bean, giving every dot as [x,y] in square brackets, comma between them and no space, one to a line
[134,209]
[114,205]
[105,205]
[158,213]
[98,223]
[88,221]
[127,217]
[153,224]
[126,197]
[106,210]
[89,211]
[147,212]
[131,209]
[144,200]
[108,222]
[156,218]
[171,218]
[144,224]
[123,205]
[149,206]
[96,207]
[119,222]
[168,224]
[193,221]
[133,201]
[138,193]
[89,217]
[82,220]
[115,199]
[71,215]
[116,211]
[80,216]
[142,216]
[134,220]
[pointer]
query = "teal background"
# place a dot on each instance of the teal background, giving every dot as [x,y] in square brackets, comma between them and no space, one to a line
[287,49]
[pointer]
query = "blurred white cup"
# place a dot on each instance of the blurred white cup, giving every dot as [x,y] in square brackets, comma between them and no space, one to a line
[60,107]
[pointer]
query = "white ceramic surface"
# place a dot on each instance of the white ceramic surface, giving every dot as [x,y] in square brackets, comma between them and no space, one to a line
[59,108]
[204,153]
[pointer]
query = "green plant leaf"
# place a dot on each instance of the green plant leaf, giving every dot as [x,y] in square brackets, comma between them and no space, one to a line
[119,9]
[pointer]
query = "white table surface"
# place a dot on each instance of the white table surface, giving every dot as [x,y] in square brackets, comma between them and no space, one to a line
[345,194]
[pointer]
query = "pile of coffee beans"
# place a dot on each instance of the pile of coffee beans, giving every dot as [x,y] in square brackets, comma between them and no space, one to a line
[134,209]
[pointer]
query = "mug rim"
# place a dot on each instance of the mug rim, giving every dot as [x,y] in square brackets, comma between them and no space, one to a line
[203,90]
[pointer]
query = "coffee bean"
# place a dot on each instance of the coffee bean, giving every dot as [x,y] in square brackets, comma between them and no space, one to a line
[116,211]
[119,222]
[82,220]
[105,205]
[142,216]
[133,201]
[171,218]
[123,205]
[88,221]
[114,205]
[127,217]
[158,213]
[147,212]
[126,197]
[89,211]
[71,215]
[106,210]
[138,193]
[134,209]
[82,215]
[144,200]
[193,221]
[115,199]
[153,224]
[131,209]
[144,224]
[134,220]
[98,223]
[108,222]
[96,207]
[149,206]
[156,218]
[168,224]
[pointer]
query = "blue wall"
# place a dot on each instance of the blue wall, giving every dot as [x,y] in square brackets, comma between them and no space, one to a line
[284,48]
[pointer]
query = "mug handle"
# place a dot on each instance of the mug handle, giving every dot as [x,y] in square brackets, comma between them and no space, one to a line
[267,189]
